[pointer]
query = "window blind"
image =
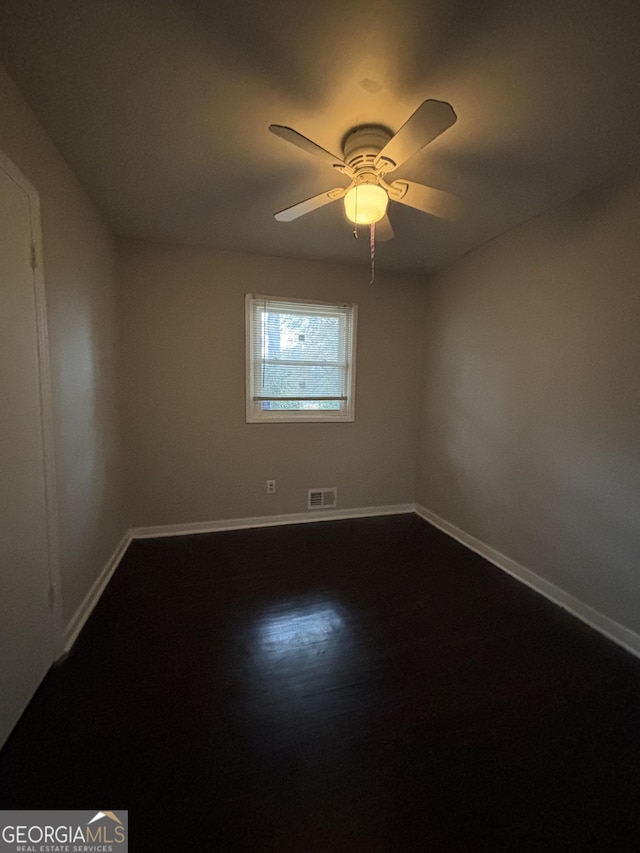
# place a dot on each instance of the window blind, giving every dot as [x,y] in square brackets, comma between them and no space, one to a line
[301,355]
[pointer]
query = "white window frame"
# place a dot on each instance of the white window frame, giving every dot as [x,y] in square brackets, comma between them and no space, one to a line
[254,412]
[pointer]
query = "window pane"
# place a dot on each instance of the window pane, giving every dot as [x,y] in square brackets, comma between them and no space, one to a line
[293,380]
[303,337]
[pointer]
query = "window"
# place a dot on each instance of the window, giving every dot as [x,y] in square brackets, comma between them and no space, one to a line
[300,360]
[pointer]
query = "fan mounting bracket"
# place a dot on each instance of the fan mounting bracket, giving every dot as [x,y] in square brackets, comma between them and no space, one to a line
[362,145]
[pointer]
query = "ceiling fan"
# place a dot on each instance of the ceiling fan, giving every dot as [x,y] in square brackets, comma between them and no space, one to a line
[370,152]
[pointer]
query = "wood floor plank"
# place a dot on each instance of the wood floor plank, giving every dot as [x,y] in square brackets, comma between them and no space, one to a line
[363,685]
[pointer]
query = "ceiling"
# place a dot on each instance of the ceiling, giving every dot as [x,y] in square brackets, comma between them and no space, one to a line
[161,107]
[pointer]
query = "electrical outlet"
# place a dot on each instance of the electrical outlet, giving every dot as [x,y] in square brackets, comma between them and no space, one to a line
[271,487]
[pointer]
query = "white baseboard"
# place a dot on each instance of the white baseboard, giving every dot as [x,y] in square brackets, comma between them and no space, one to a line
[266,521]
[77,621]
[624,637]
[616,632]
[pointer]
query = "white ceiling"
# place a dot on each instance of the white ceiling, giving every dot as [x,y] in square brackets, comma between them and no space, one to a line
[162,107]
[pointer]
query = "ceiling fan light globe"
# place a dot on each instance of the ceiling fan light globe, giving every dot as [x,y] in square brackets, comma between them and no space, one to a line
[366,204]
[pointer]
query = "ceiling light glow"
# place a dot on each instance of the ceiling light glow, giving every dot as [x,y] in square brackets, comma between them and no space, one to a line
[365,204]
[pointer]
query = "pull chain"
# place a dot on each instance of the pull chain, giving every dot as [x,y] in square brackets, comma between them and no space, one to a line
[373,251]
[355,216]
[372,240]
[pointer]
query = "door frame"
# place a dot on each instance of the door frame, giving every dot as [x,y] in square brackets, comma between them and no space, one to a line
[46,404]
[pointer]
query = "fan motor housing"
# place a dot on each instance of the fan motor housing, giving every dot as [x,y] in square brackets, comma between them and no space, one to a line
[362,144]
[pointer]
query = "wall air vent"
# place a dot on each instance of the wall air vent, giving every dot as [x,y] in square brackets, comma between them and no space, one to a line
[322,498]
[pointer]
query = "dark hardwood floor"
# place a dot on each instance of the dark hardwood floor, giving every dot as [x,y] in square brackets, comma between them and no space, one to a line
[352,686]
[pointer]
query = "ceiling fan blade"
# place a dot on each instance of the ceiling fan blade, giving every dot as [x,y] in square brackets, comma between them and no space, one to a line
[430,120]
[310,147]
[310,204]
[429,200]
[384,230]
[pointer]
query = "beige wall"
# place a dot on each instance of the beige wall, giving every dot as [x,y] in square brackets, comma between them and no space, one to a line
[531,414]
[190,455]
[79,266]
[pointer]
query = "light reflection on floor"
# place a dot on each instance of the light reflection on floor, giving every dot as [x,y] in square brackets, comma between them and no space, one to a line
[300,665]
[300,654]
[296,629]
